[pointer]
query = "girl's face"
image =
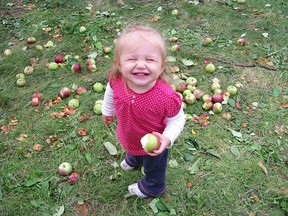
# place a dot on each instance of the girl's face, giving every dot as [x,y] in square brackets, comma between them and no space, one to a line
[141,64]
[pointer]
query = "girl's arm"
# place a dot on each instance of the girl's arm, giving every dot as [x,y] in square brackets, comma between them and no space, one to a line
[108,108]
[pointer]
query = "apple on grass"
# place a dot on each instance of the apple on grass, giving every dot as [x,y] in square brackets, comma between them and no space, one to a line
[20,75]
[191,81]
[107,49]
[190,99]
[76,68]
[98,87]
[206,97]
[82,29]
[207,41]
[98,108]
[65,169]
[175,48]
[37,95]
[232,90]
[28,70]
[21,82]
[217,108]
[73,103]
[64,92]
[80,90]
[59,59]
[73,178]
[39,47]
[241,42]
[207,105]
[175,12]
[92,68]
[31,40]
[210,68]
[35,101]
[90,61]
[149,142]
[7,52]
[53,66]
[198,93]
[215,85]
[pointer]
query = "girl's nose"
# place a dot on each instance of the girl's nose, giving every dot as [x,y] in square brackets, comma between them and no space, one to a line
[140,64]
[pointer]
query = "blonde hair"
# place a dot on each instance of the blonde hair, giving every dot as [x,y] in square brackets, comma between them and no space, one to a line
[146,33]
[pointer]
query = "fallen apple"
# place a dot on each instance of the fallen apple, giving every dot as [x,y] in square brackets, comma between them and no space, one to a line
[21,82]
[39,47]
[207,105]
[186,92]
[175,12]
[82,29]
[232,90]
[217,108]
[207,41]
[52,66]
[35,101]
[190,99]
[175,48]
[206,97]
[180,85]
[73,103]
[217,98]
[20,75]
[80,90]
[149,142]
[98,108]
[198,93]
[210,68]
[68,57]
[73,178]
[191,81]
[241,42]
[98,87]
[107,49]
[37,95]
[65,169]
[192,88]
[28,70]
[92,68]
[241,1]
[49,44]
[64,92]
[215,85]
[90,61]
[8,52]
[59,59]
[76,67]
[31,40]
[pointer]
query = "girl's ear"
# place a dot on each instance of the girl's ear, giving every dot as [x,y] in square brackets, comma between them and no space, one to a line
[164,65]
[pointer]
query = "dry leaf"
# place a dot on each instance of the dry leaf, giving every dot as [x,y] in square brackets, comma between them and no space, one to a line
[261,165]
[82,132]
[13,122]
[22,137]
[37,147]
[82,210]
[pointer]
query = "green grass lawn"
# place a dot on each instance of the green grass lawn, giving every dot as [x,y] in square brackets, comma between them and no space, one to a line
[232,166]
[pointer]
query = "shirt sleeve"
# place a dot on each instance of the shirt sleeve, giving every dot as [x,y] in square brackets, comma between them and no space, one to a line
[174,126]
[108,108]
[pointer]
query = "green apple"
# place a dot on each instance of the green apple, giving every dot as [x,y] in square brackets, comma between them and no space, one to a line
[8,52]
[98,108]
[98,87]
[65,169]
[149,142]
[53,66]
[175,12]
[21,82]
[28,70]
[20,75]
[210,68]
[232,90]
[73,103]
[82,29]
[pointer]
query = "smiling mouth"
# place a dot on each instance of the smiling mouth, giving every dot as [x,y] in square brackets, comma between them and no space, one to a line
[140,74]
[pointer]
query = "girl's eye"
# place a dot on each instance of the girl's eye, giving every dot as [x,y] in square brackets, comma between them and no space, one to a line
[131,59]
[150,60]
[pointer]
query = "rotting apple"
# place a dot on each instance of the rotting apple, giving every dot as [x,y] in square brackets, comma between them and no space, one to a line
[80,90]
[28,70]
[98,87]
[175,12]
[232,90]
[31,40]
[73,178]
[76,68]
[210,68]
[64,92]
[8,52]
[217,108]
[73,103]
[65,168]
[59,59]
[52,66]
[149,142]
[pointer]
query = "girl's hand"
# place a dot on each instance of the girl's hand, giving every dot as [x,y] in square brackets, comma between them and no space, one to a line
[107,119]
[164,143]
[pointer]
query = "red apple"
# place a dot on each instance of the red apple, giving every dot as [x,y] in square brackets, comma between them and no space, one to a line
[206,97]
[73,178]
[107,49]
[241,42]
[76,67]
[90,61]
[37,95]
[35,101]
[217,98]
[207,105]
[59,59]
[190,99]
[92,68]
[198,93]
[31,40]
[175,48]
[64,92]
[80,90]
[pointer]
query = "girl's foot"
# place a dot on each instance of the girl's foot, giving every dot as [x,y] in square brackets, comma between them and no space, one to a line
[125,166]
[134,190]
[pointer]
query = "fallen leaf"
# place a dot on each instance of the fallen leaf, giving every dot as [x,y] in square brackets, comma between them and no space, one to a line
[261,165]
[82,132]
[82,210]
[22,137]
[37,147]
[265,35]
[110,148]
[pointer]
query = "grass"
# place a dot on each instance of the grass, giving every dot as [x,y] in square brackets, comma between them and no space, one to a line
[230,167]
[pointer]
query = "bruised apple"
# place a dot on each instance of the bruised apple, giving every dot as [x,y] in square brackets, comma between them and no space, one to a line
[149,142]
